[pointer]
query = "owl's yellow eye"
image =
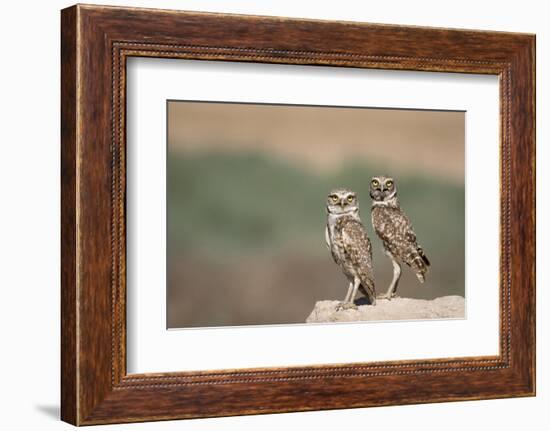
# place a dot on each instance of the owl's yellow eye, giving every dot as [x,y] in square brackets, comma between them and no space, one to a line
[350,198]
[334,198]
[375,183]
[389,183]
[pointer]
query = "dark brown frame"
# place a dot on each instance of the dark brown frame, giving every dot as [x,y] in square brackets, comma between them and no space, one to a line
[95,43]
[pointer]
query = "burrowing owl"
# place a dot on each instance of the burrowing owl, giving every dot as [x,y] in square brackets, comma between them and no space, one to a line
[395,230]
[349,244]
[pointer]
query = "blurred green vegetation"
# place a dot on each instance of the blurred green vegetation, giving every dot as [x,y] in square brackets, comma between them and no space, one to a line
[246,237]
[223,205]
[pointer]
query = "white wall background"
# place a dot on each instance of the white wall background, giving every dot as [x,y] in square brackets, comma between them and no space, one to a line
[29,214]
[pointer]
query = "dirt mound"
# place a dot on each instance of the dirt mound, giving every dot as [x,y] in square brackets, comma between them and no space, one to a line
[445,307]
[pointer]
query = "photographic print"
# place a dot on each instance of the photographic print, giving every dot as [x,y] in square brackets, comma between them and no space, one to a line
[248,218]
[291,214]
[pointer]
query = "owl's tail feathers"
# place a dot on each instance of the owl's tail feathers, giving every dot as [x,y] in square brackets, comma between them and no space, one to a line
[423,256]
[420,263]
[367,288]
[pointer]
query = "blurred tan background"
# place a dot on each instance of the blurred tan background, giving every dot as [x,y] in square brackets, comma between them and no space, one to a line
[246,190]
[322,137]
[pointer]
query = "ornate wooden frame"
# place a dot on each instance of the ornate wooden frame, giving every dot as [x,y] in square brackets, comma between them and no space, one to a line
[95,43]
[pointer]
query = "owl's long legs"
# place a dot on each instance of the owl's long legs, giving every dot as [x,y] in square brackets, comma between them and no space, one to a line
[348,300]
[356,284]
[350,288]
[396,276]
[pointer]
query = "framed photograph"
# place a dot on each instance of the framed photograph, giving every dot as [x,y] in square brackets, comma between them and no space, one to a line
[263,214]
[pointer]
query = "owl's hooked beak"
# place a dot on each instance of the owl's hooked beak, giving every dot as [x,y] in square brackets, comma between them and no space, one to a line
[343,203]
[376,194]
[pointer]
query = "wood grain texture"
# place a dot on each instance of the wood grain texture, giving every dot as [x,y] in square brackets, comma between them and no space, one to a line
[69,364]
[96,41]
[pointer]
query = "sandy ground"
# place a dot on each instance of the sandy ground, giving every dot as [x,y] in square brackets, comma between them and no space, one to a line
[445,307]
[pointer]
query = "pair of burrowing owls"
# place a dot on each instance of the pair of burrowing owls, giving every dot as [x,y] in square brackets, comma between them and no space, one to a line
[350,245]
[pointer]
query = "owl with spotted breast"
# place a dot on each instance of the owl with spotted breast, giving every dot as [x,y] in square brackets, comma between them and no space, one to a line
[350,246]
[395,230]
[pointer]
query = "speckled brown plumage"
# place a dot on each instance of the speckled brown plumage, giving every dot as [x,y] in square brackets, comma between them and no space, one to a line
[395,230]
[349,243]
[355,246]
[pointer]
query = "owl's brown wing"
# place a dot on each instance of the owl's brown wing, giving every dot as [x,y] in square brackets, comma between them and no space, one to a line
[358,247]
[402,242]
[390,224]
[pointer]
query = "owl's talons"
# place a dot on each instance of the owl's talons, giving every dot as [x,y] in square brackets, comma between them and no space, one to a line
[346,306]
